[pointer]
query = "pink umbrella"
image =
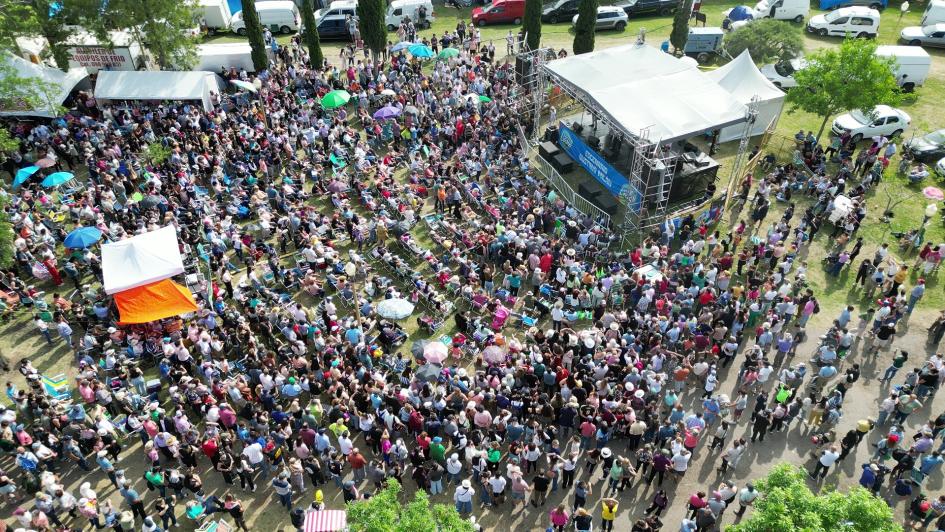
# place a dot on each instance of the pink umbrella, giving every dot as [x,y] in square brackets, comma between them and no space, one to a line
[933,193]
[45,162]
[493,354]
[435,352]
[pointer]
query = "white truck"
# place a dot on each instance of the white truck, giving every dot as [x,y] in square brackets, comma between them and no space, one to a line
[934,13]
[912,64]
[216,15]
[217,57]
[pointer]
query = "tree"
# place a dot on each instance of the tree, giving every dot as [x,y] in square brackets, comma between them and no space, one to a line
[841,79]
[680,32]
[7,238]
[312,42]
[585,27]
[371,14]
[532,23]
[254,32]
[19,93]
[42,18]
[768,40]
[163,27]
[385,513]
[786,504]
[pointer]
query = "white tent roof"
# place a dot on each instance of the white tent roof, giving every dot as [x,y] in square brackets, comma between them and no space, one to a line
[141,260]
[157,85]
[64,82]
[641,87]
[742,79]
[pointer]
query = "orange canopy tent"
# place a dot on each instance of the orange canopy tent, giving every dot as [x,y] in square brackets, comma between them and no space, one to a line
[154,301]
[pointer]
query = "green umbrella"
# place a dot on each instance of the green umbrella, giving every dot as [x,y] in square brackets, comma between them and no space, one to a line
[335,99]
[447,53]
[484,98]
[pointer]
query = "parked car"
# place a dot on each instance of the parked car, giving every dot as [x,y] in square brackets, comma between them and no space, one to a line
[558,11]
[883,120]
[879,5]
[782,73]
[927,149]
[856,21]
[500,11]
[636,8]
[608,17]
[932,35]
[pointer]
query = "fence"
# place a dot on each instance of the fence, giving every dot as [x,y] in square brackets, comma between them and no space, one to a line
[568,194]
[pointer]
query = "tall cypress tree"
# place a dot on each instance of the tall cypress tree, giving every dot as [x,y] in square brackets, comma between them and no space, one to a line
[532,23]
[680,33]
[312,42]
[371,23]
[584,29]
[255,33]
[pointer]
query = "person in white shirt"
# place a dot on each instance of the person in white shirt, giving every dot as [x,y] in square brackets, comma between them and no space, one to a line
[828,457]
[463,498]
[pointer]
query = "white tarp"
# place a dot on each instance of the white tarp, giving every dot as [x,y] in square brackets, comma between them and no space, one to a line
[61,82]
[157,85]
[640,87]
[140,260]
[213,57]
[742,79]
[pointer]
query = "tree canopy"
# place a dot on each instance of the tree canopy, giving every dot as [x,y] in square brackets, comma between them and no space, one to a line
[19,93]
[767,40]
[841,79]
[163,27]
[254,32]
[532,23]
[385,513]
[39,18]
[585,27]
[371,15]
[786,504]
[680,32]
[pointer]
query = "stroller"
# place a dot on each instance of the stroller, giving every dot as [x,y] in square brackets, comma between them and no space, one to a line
[499,318]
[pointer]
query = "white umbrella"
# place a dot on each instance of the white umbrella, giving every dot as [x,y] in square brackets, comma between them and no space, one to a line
[245,85]
[435,352]
[388,92]
[493,354]
[394,309]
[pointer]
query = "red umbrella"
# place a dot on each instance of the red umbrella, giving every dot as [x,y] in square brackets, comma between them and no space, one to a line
[45,162]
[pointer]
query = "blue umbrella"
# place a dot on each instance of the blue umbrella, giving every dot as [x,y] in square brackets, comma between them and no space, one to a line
[386,113]
[82,237]
[403,45]
[23,174]
[56,179]
[421,51]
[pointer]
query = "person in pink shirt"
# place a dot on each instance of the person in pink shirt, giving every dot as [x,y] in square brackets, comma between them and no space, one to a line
[559,518]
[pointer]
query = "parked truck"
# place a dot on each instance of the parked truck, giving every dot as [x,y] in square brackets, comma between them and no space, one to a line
[216,15]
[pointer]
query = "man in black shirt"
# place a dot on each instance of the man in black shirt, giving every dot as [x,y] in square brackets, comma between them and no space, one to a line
[540,483]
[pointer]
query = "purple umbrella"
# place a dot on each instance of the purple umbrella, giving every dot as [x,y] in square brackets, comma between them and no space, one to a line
[386,113]
[493,354]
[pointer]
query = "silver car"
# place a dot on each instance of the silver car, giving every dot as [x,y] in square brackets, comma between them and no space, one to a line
[608,18]
[931,35]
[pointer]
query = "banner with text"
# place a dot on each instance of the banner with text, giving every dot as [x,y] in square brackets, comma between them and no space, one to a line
[598,167]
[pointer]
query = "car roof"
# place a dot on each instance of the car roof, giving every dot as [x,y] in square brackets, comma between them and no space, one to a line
[936,27]
[605,9]
[857,10]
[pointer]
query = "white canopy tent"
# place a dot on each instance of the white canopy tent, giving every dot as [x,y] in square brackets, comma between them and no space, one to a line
[157,85]
[61,82]
[742,79]
[141,259]
[640,87]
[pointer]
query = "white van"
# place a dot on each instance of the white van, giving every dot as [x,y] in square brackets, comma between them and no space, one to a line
[911,67]
[795,10]
[857,21]
[280,16]
[400,9]
[934,13]
[339,9]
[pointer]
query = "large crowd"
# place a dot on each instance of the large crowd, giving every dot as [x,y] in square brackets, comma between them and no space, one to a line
[569,367]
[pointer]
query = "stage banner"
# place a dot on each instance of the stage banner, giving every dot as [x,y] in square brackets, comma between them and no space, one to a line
[598,167]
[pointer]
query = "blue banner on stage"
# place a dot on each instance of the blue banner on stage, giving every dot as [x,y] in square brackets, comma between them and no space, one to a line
[598,167]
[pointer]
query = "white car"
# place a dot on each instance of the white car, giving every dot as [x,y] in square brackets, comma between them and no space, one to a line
[931,35]
[782,73]
[608,18]
[940,167]
[882,121]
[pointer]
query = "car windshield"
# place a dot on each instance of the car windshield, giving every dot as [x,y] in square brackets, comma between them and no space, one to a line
[559,3]
[936,137]
[761,6]
[861,117]
[830,17]
[784,68]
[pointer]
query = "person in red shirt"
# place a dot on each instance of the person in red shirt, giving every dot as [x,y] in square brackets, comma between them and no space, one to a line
[210,447]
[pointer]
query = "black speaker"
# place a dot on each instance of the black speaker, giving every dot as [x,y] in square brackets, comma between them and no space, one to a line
[593,142]
[562,163]
[523,69]
[552,134]
[548,150]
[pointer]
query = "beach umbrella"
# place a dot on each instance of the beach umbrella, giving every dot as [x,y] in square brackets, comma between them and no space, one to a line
[336,186]
[447,53]
[435,352]
[23,174]
[394,309]
[421,51]
[411,110]
[388,92]
[493,354]
[428,373]
[45,162]
[403,45]
[386,113]
[933,193]
[485,99]
[335,99]
[82,237]
[245,85]
[417,348]
[56,179]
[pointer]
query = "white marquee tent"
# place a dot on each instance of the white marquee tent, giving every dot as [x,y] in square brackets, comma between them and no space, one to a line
[61,82]
[157,85]
[742,79]
[640,87]
[141,260]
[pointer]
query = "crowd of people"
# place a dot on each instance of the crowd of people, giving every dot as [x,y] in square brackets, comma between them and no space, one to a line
[568,370]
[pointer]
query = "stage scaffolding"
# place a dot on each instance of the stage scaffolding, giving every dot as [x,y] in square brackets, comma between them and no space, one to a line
[652,165]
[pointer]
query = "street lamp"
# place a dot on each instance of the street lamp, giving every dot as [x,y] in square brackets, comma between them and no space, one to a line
[930,211]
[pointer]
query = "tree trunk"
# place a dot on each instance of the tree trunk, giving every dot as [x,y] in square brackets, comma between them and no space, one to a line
[822,126]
